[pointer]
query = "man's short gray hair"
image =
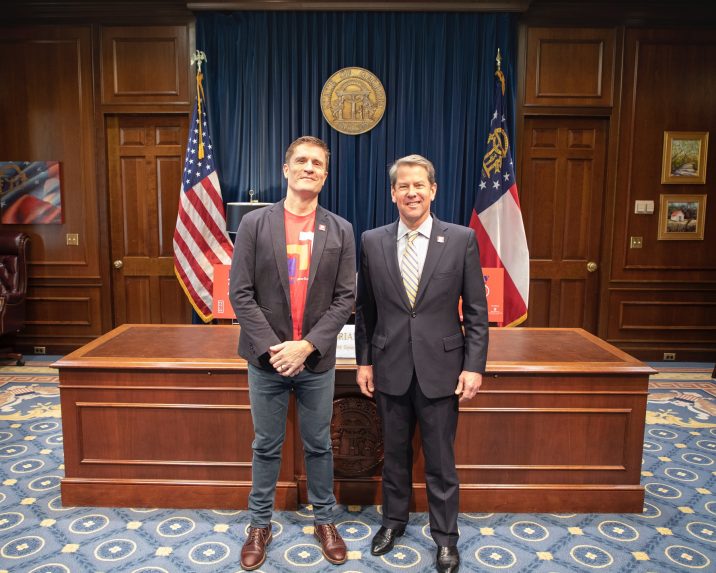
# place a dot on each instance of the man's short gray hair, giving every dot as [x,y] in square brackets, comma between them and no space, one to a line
[412,160]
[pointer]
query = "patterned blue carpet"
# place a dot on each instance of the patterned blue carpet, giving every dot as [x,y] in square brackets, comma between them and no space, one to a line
[676,531]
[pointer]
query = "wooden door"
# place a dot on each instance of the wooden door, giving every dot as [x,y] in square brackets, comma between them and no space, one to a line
[145,155]
[562,193]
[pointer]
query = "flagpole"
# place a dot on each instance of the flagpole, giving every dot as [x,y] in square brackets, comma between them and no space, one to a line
[497,216]
[197,58]
[200,241]
[498,71]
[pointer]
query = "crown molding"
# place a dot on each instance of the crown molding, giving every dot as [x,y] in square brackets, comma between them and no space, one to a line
[364,6]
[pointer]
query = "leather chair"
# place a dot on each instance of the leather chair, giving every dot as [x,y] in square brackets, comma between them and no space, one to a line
[13,290]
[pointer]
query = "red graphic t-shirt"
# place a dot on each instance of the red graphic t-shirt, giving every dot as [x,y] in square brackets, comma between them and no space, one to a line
[299,242]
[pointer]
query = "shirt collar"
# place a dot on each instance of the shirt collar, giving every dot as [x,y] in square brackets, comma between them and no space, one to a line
[424,229]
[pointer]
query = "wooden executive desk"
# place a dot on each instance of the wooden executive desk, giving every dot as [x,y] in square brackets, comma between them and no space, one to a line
[159,416]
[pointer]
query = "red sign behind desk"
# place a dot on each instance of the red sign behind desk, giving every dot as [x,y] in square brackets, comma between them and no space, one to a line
[221,306]
[494,286]
[495,289]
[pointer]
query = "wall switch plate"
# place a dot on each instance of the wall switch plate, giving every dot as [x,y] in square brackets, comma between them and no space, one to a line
[643,207]
[73,239]
[636,242]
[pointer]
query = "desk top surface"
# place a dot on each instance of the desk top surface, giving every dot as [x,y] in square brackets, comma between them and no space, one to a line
[214,347]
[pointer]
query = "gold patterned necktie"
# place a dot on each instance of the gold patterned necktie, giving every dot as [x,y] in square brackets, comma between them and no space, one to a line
[410,268]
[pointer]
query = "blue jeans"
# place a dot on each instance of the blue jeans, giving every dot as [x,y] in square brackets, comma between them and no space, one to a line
[269,395]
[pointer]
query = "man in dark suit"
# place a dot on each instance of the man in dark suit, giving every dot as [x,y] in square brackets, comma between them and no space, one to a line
[292,287]
[412,353]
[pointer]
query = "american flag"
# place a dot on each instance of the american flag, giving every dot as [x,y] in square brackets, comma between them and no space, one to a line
[497,218]
[200,237]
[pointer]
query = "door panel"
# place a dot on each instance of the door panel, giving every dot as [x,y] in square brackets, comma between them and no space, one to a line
[144,165]
[561,194]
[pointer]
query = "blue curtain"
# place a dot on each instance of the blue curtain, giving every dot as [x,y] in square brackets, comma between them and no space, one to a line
[265,72]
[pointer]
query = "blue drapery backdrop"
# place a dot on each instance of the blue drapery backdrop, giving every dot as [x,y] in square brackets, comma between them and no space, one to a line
[263,80]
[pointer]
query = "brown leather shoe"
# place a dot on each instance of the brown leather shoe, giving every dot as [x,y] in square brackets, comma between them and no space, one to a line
[332,544]
[253,553]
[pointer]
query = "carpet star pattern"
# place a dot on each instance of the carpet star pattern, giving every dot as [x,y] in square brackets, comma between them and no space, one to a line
[676,530]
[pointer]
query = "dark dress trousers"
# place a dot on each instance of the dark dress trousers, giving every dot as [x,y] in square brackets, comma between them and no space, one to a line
[259,290]
[417,355]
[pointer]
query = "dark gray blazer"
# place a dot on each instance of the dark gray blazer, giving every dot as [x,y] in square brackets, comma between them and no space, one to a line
[428,339]
[259,291]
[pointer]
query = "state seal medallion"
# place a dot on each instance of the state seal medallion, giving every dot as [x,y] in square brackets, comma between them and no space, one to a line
[356,437]
[353,101]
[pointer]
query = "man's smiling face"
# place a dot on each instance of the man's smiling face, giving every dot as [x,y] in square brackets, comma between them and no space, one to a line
[413,193]
[306,170]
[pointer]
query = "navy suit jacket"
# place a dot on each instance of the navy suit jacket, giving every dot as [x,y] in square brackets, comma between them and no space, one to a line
[259,291]
[427,339]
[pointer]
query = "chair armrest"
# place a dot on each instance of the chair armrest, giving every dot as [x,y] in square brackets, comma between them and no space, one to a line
[12,298]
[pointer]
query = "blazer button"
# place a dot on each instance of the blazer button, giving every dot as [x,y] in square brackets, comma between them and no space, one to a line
[413,315]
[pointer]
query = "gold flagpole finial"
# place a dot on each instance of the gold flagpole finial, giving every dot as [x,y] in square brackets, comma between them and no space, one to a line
[197,58]
[498,71]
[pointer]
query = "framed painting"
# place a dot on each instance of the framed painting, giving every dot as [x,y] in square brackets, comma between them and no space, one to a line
[30,192]
[682,217]
[684,157]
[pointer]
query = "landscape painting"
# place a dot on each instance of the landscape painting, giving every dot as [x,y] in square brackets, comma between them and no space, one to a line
[681,217]
[684,158]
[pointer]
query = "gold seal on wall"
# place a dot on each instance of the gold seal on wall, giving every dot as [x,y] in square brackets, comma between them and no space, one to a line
[353,101]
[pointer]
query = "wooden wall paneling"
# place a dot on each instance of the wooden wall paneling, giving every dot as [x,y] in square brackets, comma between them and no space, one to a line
[54,124]
[145,156]
[650,320]
[562,195]
[145,65]
[62,317]
[669,75]
[47,106]
[569,67]
[64,12]
[612,192]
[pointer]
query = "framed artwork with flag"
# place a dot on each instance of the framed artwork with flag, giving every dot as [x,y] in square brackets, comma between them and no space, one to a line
[200,237]
[497,217]
[30,193]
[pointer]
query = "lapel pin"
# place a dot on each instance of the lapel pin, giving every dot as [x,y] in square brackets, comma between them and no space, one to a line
[440,239]
[321,227]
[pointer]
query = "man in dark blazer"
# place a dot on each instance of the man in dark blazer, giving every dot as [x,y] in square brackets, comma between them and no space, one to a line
[414,355]
[292,286]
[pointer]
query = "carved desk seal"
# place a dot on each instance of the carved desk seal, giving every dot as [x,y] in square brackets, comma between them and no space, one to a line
[356,436]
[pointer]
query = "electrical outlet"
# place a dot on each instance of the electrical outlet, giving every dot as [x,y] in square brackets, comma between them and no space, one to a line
[40,350]
[669,355]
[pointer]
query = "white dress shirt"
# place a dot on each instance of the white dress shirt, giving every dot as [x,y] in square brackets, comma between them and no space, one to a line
[421,241]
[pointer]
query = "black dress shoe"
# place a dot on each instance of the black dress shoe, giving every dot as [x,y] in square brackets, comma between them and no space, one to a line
[448,560]
[384,540]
